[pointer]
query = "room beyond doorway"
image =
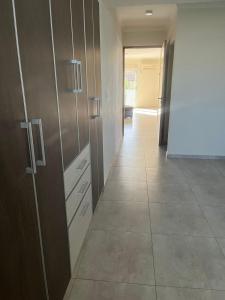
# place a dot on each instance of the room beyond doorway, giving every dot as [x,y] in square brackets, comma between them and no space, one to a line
[142,77]
[142,82]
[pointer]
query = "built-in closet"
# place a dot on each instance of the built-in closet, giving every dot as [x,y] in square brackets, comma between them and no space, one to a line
[93,65]
[51,141]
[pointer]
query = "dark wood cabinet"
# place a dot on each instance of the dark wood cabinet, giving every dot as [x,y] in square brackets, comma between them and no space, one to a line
[91,9]
[36,54]
[97,52]
[64,53]
[22,275]
[79,54]
[45,128]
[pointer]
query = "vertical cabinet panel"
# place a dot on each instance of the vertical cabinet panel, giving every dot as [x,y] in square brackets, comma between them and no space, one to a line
[91,9]
[21,265]
[62,33]
[79,54]
[98,91]
[34,32]
[91,91]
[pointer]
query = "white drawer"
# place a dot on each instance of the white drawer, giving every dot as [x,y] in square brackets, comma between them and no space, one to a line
[79,226]
[77,194]
[75,170]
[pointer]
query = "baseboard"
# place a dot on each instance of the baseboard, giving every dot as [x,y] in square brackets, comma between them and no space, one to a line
[215,157]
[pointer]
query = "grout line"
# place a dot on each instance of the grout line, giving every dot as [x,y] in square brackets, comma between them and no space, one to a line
[153,257]
[145,284]
[114,281]
[211,228]
[188,288]
[158,233]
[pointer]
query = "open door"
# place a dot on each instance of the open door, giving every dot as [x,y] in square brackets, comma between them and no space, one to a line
[165,92]
[170,55]
[162,94]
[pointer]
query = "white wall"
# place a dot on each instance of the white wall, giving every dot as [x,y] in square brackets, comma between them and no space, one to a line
[137,38]
[147,71]
[197,121]
[112,84]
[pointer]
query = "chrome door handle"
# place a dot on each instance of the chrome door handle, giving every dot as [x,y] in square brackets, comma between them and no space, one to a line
[28,126]
[42,162]
[79,76]
[97,100]
[98,107]
[74,89]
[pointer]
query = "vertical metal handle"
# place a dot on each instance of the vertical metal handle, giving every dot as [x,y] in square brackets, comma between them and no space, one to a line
[98,107]
[41,162]
[28,126]
[97,101]
[81,77]
[74,90]
[77,76]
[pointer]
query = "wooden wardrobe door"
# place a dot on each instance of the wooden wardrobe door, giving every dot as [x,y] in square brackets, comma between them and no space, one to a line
[34,32]
[65,78]
[98,91]
[21,265]
[91,91]
[79,54]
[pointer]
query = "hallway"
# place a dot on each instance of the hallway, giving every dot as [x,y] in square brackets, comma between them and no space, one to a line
[159,230]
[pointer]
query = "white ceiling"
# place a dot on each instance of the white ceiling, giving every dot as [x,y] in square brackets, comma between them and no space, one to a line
[131,12]
[116,3]
[134,16]
[142,53]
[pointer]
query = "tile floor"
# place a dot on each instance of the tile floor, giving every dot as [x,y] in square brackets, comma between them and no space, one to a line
[159,229]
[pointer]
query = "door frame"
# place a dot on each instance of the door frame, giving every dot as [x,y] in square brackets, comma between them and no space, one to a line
[124,49]
[166,97]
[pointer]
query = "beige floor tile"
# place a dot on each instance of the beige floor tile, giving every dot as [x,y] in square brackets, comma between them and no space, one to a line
[199,171]
[123,215]
[133,162]
[216,219]
[99,290]
[212,194]
[167,193]
[128,190]
[193,262]
[126,173]
[168,293]
[117,256]
[165,175]
[222,245]
[176,218]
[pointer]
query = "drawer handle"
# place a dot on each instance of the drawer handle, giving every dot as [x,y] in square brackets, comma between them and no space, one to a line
[83,187]
[82,164]
[84,209]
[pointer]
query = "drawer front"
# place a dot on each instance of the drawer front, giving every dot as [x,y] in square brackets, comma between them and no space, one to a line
[73,173]
[79,226]
[77,194]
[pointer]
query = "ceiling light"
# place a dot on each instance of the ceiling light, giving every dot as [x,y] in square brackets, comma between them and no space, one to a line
[148,12]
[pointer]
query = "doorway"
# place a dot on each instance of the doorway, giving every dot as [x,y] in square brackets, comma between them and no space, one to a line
[147,86]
